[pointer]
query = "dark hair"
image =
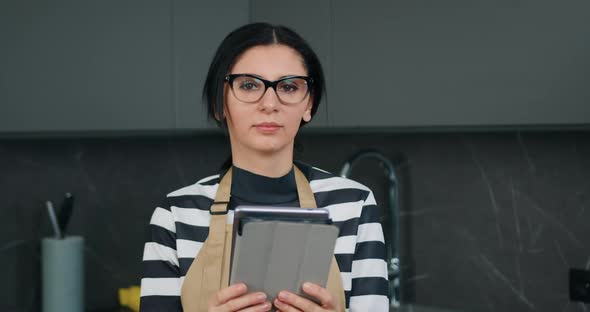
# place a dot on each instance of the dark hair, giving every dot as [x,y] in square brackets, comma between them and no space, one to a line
[248,36]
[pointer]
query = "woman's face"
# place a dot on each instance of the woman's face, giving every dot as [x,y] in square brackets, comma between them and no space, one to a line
[266,126]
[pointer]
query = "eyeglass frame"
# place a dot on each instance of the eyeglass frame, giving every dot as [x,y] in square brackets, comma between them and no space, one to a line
[272,84]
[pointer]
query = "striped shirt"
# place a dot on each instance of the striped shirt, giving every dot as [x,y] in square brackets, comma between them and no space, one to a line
[180,225]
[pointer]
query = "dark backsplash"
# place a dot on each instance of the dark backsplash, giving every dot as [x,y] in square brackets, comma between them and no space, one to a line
[489,221]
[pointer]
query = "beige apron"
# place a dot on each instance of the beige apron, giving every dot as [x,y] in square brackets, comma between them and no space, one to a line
[209,271]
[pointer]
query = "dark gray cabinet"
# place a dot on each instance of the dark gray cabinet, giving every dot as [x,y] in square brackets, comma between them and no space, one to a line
[85,65]
[68,66]
[72,66]
[457,63]
[446,64]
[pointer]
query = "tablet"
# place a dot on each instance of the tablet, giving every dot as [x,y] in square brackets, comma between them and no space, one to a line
[280,248]
[244,214]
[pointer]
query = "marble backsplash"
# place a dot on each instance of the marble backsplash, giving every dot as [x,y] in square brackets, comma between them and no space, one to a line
[489,221]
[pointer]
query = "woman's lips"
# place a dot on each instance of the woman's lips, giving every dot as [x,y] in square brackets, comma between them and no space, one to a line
[267,127]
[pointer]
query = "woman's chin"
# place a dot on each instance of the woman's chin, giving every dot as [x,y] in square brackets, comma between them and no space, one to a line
[269,146]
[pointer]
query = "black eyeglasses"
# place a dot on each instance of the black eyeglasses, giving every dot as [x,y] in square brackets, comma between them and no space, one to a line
[249,88]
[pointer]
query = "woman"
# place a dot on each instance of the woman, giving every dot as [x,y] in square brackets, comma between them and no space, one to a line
[263,84]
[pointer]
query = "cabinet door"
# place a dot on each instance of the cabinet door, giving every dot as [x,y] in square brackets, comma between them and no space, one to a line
[311,19]
[456,63]
[85,65]
[199,28]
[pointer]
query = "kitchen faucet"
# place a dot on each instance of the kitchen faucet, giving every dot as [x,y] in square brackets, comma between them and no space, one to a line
[393,263]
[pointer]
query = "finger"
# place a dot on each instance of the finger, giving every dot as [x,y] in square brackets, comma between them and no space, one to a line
[265,306]
[225,294]
[244,301]
[284,307]
[296,301]
[323,295]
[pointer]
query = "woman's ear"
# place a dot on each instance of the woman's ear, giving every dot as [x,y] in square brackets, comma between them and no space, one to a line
[307,112]
[222,117]
[223,114]
[307,115]
[224,111]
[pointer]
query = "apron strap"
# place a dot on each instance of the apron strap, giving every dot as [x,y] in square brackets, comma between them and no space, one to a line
[209,271]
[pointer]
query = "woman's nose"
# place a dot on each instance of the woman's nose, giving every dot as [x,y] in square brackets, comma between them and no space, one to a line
[269,100]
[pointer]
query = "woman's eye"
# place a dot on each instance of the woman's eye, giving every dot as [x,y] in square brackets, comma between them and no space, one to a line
[248,85]
[288,88]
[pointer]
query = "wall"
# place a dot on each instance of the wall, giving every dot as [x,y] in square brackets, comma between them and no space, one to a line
[489,221]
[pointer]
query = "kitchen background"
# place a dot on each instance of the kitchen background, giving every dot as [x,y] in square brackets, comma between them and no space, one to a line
[483,108]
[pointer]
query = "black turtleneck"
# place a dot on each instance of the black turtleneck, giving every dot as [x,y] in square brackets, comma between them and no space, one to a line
[249,188]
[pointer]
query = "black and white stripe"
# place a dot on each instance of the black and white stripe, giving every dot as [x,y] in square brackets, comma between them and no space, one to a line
[179,227]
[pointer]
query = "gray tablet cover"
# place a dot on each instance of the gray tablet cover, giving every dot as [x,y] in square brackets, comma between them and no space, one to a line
[271,256]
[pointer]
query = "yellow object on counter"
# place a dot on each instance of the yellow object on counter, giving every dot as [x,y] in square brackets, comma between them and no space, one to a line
[129,297]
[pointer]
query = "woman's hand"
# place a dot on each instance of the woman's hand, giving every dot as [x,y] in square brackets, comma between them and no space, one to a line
[236,298]
[290,302]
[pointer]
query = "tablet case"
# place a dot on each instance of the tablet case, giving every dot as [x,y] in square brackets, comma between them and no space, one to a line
[271,256]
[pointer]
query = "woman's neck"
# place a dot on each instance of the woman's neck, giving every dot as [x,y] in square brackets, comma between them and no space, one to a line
[272,165]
